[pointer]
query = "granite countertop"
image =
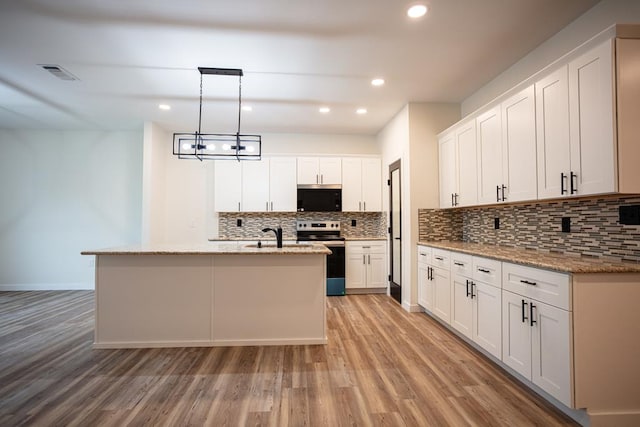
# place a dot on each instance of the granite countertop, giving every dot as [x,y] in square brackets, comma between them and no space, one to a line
[214,248]
[535,258]
[355,239]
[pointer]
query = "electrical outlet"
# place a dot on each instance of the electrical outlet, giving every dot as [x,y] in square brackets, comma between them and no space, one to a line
[630,215]
[496,223]
[353,222]
[238,222]
[566,224]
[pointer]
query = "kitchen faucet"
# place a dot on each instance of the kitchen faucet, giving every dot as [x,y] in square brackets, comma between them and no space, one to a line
[278,232]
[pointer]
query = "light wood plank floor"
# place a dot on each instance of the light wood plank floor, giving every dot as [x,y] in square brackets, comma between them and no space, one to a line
[382,366]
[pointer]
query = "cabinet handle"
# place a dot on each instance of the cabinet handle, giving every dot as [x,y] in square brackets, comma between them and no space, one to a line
[423,254]
[359,206]
[429,273]
[321,178]
[238,206]
[452,202]
[455,199]
[369,259]
[472,294]
[524,311]
[459,263]
[364,205]
[482,270]
[497,193]
[439,258]
[272,206]
[526,282]
[467,288]
[574,189]
[531,316]
[563,177]
[503,196]
[267,206]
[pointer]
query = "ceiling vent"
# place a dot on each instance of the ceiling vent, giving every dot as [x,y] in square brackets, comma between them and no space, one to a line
[59,72]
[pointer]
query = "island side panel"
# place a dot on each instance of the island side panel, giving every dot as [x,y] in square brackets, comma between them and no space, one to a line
[153,300]
[269,299]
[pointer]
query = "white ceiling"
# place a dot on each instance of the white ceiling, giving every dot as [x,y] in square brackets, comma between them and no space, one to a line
[131,55]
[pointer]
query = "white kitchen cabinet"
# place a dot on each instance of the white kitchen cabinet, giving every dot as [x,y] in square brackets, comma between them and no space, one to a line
[519,173]
[319,170]
[487,317]
[462,305]
[269,185]
[361,184]
[365,265]
[552,135]
[536,333]
[227,186]
[425,288]
[591,116]
[447,169]
[489,145]
[458,163]
[441,278]
[282,184]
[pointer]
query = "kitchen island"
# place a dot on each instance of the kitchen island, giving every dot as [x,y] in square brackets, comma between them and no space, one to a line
[213,294]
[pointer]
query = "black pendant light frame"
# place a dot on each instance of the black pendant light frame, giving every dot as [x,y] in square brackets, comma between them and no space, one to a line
[218,146]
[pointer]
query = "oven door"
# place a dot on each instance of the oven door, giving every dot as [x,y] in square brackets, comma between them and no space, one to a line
[335,269]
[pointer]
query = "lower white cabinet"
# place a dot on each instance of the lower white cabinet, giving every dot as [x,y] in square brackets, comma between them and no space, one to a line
[441,279]
[425,288]
[365,264]
[536,336]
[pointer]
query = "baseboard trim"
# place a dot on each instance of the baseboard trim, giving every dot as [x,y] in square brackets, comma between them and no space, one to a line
[47,287]
[215,343]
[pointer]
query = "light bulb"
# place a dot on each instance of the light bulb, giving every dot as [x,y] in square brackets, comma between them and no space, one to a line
[211,147]
[377,82]
[226,147]
[187,146]
[417,11]
[361,111]
[324,110]
[251,149]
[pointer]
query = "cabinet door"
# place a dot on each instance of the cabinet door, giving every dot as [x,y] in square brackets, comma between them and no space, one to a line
[227,186]
[467,165]
[442,294]
[282,184]
[255,186]
[487,318]
[447,169]
[551,344]
[425,290]
[461,305]
[552,134]
[351,185]
[591,121]
[516,333]
[519,146]
[371,185]
[489,145]
[308,170]
[330,170]
[376,270]
[355,267]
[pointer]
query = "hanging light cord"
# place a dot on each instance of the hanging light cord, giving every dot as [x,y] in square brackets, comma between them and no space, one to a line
[239,100]
[200,113]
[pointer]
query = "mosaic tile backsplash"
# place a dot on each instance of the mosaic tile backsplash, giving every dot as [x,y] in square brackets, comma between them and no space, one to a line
[368,224]
[595,228]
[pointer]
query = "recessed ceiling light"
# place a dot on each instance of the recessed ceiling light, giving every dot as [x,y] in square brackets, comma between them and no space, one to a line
[417,11]
[247,108]
[361,111]
[164,107]
[324,110]
[377,81]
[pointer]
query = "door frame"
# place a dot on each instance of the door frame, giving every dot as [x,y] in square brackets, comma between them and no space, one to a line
[395,289]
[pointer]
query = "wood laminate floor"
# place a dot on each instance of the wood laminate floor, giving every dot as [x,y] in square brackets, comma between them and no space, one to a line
[382,366]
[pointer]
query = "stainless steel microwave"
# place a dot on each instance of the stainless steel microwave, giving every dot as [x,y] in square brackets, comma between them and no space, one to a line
[319,198]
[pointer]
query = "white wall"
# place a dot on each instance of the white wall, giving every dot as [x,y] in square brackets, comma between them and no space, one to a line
[592,22]
[411,136]
[318,144]
[153,183]
[61,193]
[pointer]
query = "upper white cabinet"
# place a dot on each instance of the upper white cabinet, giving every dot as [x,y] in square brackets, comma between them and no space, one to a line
[361,184]
[552,136]
[268,185]
[457,154]
[489,127]
[319,170]
[519,180]
[227,186]
[573,132]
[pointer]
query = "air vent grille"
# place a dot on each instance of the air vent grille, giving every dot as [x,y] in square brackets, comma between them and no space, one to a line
[59,72]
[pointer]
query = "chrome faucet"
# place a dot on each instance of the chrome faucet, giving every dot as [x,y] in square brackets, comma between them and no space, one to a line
[278,232]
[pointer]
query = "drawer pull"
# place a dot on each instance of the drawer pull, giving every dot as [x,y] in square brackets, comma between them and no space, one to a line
[524,310]
[531,316]
[467,288]
[526,282]
[482,270]
[423,254]
[472,294]
[439,258]
[459,263]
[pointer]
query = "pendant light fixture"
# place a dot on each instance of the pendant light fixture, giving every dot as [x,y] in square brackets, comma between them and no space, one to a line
[218,146]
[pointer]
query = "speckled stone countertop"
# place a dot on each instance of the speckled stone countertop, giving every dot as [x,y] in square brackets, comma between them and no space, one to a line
[357,239]
[540,259]
[214,248]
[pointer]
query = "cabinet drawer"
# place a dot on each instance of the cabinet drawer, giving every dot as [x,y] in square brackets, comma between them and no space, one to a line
[461,264]
[374,247]
[541,285]
[441,258]
[487,271]
[424,255]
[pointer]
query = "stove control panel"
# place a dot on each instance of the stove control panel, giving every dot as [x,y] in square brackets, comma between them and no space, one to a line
[318,226]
